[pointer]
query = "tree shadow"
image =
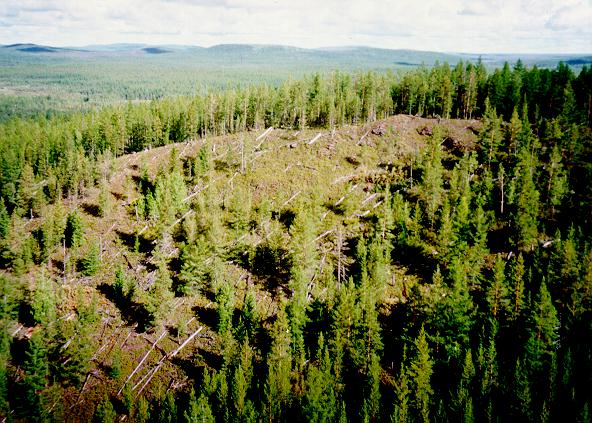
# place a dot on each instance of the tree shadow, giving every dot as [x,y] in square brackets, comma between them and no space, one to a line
[414,258]
[131,311]
[91,209]
[206,315]
[285,217]
[134,242]
[499,240]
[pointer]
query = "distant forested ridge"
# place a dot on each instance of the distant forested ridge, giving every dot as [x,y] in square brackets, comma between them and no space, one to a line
[296,255]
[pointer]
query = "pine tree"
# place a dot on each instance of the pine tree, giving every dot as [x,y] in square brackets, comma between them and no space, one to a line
[74,231]
[44,301]
[320,402]
[445,232]
[168,409]
[557,183]
[464,396]
[421,372]
[497,295]
[518,272]
[105,413]
[490,135]
[105,202]
[91,262]
[279,364]
[432,171]
[4,220]
[199,410]
[527,207]
[225,300]
[36,374]
[544,334]
[403,395]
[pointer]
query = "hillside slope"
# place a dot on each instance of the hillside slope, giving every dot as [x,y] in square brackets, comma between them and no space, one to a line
[254,185]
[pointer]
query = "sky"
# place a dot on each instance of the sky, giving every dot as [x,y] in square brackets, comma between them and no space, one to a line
[469,26]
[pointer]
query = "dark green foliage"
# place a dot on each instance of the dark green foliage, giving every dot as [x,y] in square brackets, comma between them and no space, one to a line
[74,231]
[105,413]
[35,379]
[4,220]
[199,410]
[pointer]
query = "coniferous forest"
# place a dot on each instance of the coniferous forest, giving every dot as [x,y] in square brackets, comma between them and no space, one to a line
[343,247]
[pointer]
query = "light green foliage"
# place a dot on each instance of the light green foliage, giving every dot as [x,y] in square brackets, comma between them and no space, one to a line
[320,402]
[105,201]
[279,365]
[44,300]
[225,300]
[544,331]
[557,185]
[90,263]
[196,267]
[4,220]
[490,135]
[431,185]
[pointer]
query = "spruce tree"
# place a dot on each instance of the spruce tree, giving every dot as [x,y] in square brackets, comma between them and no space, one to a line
[421,372]
[105,413]
[74,231]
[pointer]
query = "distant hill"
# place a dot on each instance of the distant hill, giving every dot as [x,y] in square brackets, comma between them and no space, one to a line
[156,50]
[35,48]
[348,57]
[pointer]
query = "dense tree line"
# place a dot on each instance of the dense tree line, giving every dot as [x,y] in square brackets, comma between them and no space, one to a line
[491,322]
[62,151]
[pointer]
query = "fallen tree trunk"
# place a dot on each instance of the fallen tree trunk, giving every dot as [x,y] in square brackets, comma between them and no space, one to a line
[169,356]
[141,362]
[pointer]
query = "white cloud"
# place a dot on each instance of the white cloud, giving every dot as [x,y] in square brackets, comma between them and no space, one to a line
[559,26]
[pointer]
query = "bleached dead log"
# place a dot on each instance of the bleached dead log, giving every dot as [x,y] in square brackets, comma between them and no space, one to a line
[370,198]
[133,329]
[141,362]
[168,357]
[324,234]
[262,137]
[343,178]
[362,138]
[185,148]
[346,194]
[67,344]
[17,330]
[291,198]
[193,194]
[143,229]
[113,335]
[315,139]
[180,219]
